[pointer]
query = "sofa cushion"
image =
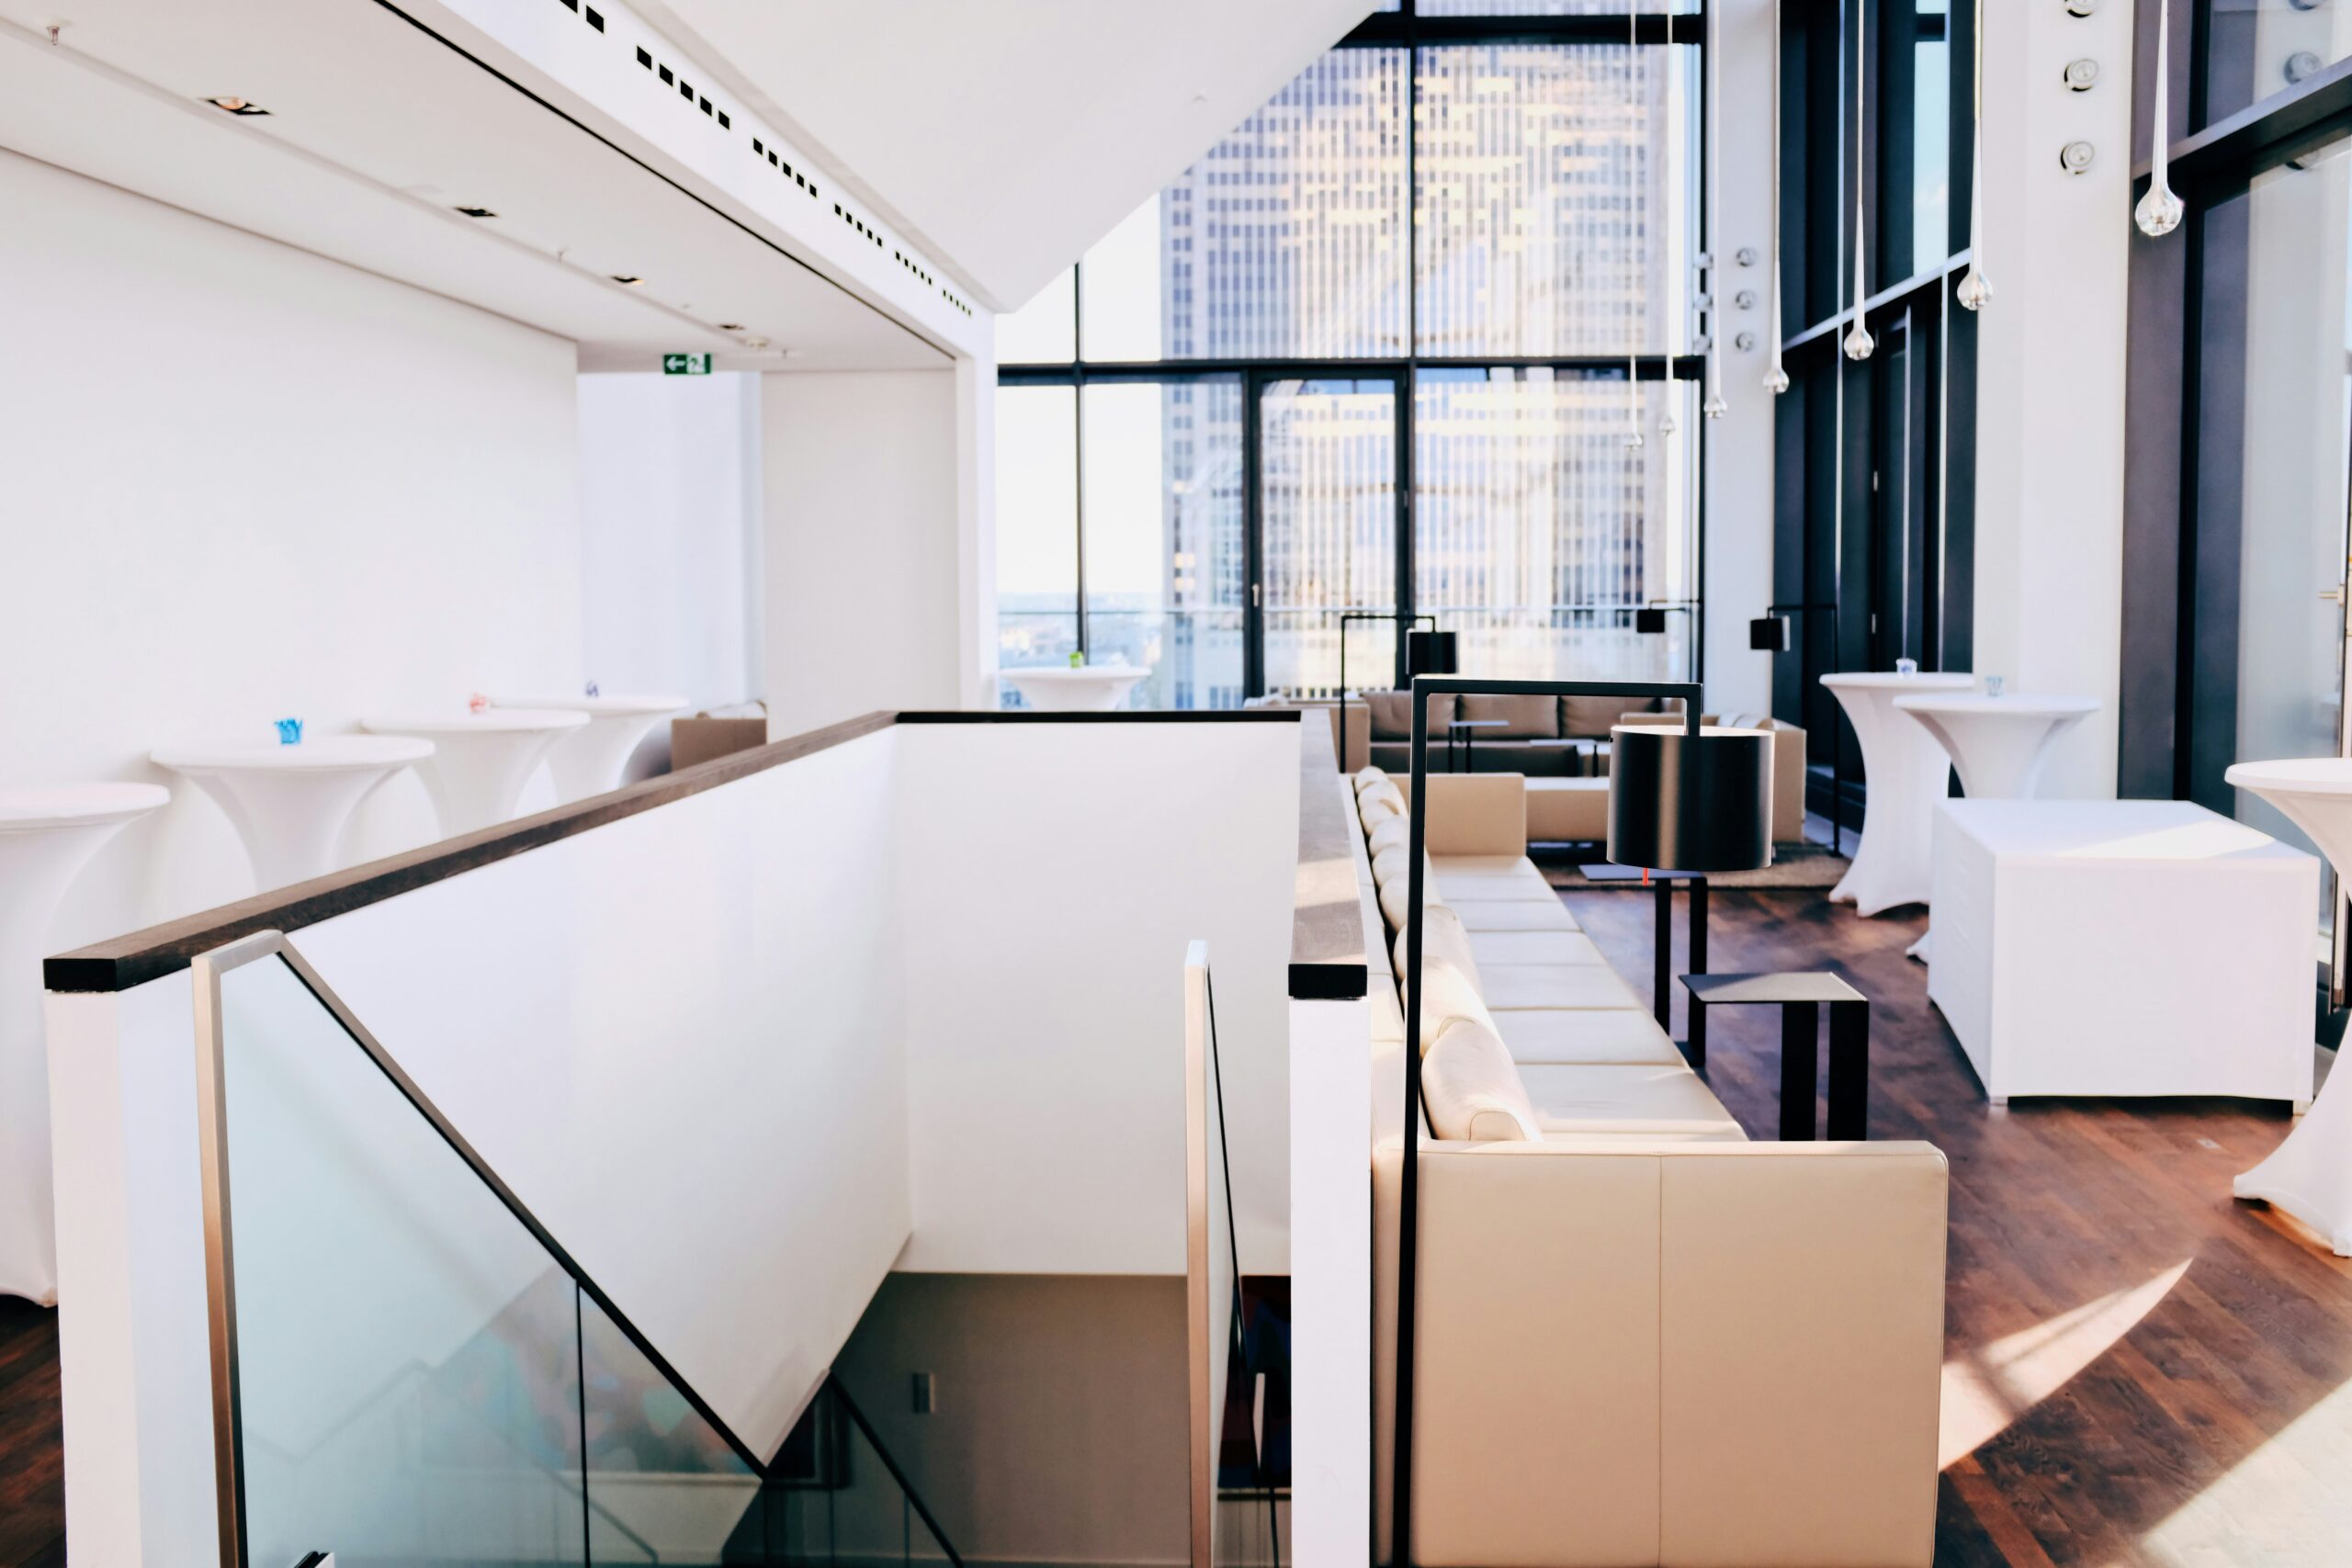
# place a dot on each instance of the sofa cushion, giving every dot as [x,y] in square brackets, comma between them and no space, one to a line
[1471,1088]
[1452,993]
[1368,777]
[1391,715]
[1442,940]
[1583,1036]
[1619,1097]
[1495,879]
[1589,716]
[1393,906]
[1373,804]
[1389,833]
[1521,718]
[1523,948]
[1513,915]
[1567,810]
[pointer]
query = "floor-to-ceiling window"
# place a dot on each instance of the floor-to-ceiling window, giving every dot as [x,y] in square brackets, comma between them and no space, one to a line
[2240,415]
[1419,338]
[1873,533]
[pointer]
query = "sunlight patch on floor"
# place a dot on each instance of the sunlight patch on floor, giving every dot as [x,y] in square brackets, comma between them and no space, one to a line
[1989,1387]
[2286,1504]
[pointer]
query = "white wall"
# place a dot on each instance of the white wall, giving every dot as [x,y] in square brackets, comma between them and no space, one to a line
[239,482]
[1740,444]
[1053,874]
[866,521]
[2050,373]
[672,595]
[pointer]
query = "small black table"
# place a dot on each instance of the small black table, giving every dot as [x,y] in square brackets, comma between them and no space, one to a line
[1800,997]
[1662,959]
[1467,729]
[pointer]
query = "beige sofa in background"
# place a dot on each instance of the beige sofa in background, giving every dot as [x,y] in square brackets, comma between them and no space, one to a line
[1642,1338]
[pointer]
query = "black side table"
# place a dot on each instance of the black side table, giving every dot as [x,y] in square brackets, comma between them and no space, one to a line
[1800,997]
[1467,730]
[1662,938]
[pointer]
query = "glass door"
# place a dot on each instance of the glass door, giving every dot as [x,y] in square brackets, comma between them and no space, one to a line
[1329,473]
[2275,450]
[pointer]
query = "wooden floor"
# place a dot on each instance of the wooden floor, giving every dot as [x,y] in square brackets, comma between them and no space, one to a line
[2158,1374]
[32,1460]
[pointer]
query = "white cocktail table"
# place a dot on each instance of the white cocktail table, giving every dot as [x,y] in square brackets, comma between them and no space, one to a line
[1907,771]
[1092,688]
[2310,1175]
[46,837]
[1996,744]
[290,804]
[480,760]
[591,760]
[2123,947]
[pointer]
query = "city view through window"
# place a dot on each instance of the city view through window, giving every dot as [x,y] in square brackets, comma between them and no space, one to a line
[1331,371]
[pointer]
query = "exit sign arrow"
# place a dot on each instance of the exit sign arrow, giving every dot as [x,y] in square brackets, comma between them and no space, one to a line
[685,364]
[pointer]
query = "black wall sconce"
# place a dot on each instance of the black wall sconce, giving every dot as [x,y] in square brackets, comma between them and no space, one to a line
[1768,633]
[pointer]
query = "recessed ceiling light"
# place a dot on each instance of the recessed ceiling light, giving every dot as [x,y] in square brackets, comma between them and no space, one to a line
[236,105]
[730,326]
[478,212]
[632,282]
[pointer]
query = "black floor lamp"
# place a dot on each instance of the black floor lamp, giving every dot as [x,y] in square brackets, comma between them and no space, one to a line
[1688,799]
[1430,652]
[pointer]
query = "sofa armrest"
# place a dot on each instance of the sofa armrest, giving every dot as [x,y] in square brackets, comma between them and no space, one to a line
[1473,813]
[1669,1352]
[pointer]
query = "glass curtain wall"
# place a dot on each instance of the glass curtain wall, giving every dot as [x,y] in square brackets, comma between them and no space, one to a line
[1371,354]
[1873,519]
[2236,536]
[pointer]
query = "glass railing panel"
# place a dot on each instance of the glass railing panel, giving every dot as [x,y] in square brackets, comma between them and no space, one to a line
[664,1485]
[836,1499]
[405,1350]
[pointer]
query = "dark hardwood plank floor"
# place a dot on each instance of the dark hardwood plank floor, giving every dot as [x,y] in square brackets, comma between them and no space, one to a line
[2159,1374]
[32,1458]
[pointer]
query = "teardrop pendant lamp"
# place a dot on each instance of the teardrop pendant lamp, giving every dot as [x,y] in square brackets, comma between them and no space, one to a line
[1975,286]
[1860,344]
[2159,213]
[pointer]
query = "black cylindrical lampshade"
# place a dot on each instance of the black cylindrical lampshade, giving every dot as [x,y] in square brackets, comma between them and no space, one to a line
[1650,622]
[1431,653]
[1768,633]
[1681,804]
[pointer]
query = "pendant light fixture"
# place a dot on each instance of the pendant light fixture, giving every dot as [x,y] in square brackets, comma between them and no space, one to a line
[1860,344]
[1633,441]
[1975,288]
[1776,375]
[1711,106]
[2160,211]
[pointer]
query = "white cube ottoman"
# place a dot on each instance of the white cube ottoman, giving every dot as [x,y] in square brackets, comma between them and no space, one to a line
[2123,947]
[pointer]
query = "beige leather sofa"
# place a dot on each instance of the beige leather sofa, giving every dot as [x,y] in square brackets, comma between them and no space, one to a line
[1642,1338]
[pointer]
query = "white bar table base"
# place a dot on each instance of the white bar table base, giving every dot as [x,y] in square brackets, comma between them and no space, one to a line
[290,804]
[46,837]
[1905,770]
[2310,1175]
[480,762]
[1997,744]
[1093,688]
[592,758]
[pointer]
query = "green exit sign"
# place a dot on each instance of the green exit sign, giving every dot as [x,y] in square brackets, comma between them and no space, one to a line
[685,364]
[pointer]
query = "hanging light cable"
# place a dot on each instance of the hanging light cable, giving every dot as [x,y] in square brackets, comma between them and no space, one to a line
[1667,423]
[2160,211]
[1633,282]
[1860,344]
[1976,288]
[1776,375]
[1711,106]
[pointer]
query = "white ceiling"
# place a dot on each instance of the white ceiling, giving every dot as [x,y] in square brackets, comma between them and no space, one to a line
[376,132]
[1008,135]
